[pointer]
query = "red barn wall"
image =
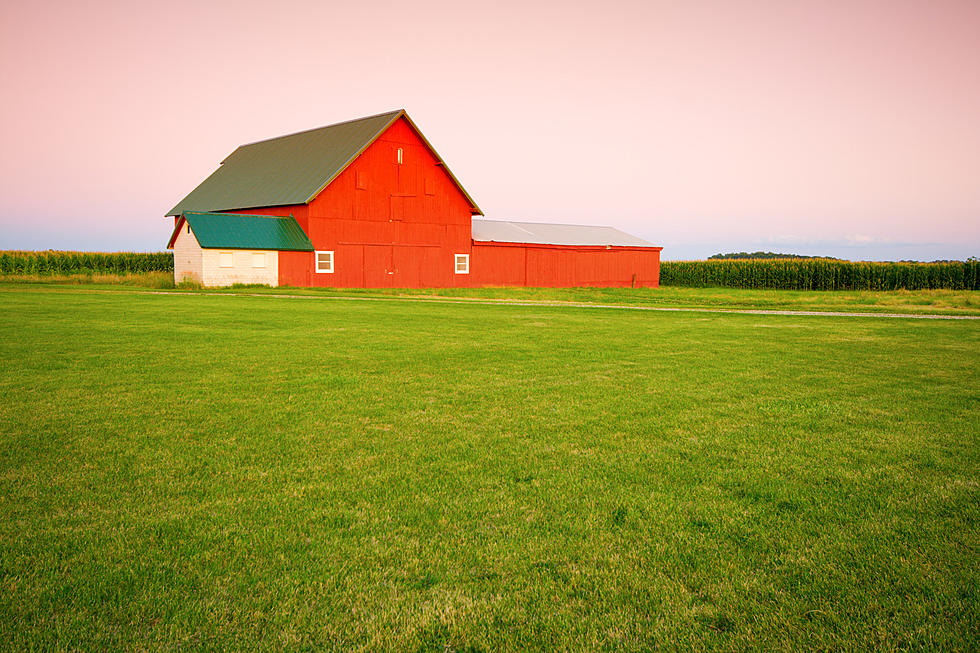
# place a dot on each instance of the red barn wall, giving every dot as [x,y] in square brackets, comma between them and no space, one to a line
[388,224]
[519,264]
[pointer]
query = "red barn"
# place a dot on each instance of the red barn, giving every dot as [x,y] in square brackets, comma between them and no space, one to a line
[369,203]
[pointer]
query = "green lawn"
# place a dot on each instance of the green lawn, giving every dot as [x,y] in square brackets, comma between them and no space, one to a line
[947,302]
[239,472]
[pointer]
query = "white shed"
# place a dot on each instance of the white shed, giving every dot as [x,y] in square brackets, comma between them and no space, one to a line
[221,249]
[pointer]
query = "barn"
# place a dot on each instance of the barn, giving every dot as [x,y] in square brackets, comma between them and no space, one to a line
[369,203]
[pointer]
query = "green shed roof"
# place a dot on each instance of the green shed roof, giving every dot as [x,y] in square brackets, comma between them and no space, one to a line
[238,231]
[292,169]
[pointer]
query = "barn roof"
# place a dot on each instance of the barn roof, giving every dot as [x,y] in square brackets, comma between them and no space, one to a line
[293,169]
[537,233]
[239,231]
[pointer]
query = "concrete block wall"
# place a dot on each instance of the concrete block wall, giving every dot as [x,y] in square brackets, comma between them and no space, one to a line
[188,259]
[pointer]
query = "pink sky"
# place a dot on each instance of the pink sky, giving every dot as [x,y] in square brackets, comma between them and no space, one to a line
[849,129]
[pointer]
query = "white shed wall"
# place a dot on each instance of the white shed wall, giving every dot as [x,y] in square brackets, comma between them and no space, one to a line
[188,259]
[242,270]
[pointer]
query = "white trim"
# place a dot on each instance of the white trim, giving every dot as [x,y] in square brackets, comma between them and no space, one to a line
[226,259]
[258,259]
[464,258]
[326,269]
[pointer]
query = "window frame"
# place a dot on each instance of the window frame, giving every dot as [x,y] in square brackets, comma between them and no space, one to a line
[456,260]
[255,258]
[221,260]
[316,261]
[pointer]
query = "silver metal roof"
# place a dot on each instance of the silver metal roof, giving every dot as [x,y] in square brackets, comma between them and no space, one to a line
[539,233]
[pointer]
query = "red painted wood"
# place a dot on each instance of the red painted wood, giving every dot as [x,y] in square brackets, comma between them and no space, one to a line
[399,225]
[516,264]
[388,224]
[298,211]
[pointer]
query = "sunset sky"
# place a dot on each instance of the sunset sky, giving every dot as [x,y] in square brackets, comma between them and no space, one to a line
[848,129]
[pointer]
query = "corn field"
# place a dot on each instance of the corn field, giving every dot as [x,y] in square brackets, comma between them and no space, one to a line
[821,274]
[52,262]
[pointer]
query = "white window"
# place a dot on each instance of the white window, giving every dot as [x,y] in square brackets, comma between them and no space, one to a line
[227,260]
[399,156]
[324,261]
[258,259]
[462,264]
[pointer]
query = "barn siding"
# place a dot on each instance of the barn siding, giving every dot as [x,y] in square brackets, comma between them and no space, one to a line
[388,224]
[298,211]
[518,264]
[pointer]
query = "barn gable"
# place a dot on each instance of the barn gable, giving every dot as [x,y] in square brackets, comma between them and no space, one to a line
[294,169]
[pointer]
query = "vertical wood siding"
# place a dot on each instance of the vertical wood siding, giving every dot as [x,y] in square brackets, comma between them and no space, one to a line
[388,224]
[499,264]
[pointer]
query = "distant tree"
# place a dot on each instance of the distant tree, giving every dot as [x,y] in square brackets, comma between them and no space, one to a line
[765,255]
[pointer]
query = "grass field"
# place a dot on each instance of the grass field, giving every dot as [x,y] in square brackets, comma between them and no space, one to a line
[951,302]
[250,472]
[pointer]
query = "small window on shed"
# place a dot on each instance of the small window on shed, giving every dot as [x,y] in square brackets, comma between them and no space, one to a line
[462,264]
[227,259]
[361,180]
[258,259]
[430,186]
[399,156]
[324,262]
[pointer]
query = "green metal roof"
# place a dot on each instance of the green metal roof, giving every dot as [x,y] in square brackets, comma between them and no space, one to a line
[292,169]
[238,231]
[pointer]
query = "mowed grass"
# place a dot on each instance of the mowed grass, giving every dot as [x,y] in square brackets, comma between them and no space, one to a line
[945,302]
[935,302]
[241,472]
[951,302]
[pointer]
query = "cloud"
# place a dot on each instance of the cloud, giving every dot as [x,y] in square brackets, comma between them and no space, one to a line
[849,240]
